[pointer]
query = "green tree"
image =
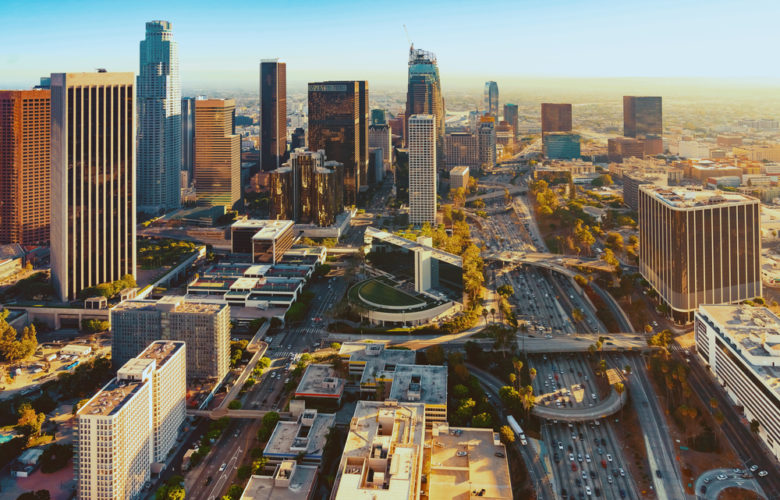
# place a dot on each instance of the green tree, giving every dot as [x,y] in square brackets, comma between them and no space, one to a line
[507,435]
[435,355]
[30,422]
[482,420]
[235,405]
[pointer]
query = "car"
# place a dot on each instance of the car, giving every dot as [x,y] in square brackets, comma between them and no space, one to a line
[556,457]
[707,480]
[722,477]
[584,475]
[604,464]
[578,481]
[560,445]
[579,457]
[600,450]
[736,470]
[587,458]
[753,468]
[703,489]
[763,473]
[593,396]
[501,455]
[523,442]
[593,474]
[574,466]
[658,474]
[609,479]
[609,457]
[603,442]
[622,493]
[462,453]
[208,480]
[569,447]
[622,472]
[222,467]
[596,441]
[571,457]
[564,493]
[597,492]
[587,490]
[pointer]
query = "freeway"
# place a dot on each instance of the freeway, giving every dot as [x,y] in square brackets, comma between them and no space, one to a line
[605,407]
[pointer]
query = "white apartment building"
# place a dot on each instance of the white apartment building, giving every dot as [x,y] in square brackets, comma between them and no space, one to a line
[131,424]
[422,169]
[741,346]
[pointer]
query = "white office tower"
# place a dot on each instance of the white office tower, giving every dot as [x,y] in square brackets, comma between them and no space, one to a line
[131,423]
[159,121]
[422,169]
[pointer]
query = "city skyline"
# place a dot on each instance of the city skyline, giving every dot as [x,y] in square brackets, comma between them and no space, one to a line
[581,50]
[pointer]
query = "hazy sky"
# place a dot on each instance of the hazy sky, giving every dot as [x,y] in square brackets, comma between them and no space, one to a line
[221,42]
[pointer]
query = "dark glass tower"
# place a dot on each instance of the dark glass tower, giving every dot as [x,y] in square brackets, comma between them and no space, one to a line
[273,114]
[556,117]
[491,98]
[423,94]
[642,117]
[511,116]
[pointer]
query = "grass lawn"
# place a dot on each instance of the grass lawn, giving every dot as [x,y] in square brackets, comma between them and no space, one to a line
[380,293]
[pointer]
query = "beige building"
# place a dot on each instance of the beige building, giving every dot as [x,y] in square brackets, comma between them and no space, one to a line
[130,424]
[461,148]
[93,192]
[204,327]
[290,481]
[217,172]
[426,384]
[459,177]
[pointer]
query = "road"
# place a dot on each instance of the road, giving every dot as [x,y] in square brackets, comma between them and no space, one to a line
[714,486]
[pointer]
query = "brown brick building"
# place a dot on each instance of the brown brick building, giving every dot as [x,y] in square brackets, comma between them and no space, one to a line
[25,146]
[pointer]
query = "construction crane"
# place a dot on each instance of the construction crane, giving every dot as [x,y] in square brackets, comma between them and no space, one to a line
[408,38]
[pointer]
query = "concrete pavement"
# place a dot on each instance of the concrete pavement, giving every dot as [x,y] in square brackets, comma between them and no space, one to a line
[715,486]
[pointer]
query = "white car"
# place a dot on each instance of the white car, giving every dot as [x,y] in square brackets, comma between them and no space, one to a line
[571,457]
[587,490]
[753,468]
[763,473]
[722,477]
[560,445]
[222,467]
[587,458]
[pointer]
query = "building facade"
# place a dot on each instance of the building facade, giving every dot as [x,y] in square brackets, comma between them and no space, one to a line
[25,160]
[188,136]
[159,121]
[217,153]
[642,117]
[486,138]
[462,148]
[561,146]
[338,124]
[204,327]
[273,114]
[459,177]
[93,208]
[423,95]
[422,169]
[511,116]
[491,99]
[556,117]
[699,247]
[380,136]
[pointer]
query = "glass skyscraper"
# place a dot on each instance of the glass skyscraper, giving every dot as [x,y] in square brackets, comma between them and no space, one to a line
[642,117]
[491,98]
[159,121]
[273,114]
[423,94]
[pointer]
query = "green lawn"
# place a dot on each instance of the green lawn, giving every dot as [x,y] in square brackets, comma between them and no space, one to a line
[380,293]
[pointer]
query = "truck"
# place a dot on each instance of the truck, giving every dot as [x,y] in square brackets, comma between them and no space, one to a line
[517,429]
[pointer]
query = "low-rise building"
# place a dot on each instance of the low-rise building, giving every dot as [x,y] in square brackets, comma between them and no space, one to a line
[304,438]
[290,481]
[426,384]
[320,383]
[372,363]
[266,240]
[459,177]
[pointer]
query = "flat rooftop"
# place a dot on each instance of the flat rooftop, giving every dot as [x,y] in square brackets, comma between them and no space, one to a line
[459,170]
[161,351]
[376,359]
[372,232]
[321,381]
[266,229]
[304,436]
[685,197]
[420,383]
[172,303]
[454,476]
[289,482]
[756,330]
[111,398]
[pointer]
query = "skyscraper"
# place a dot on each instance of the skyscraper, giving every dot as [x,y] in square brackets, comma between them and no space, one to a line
[217,153]
[25,181]
[159,121]
[379,136]
[556,117]
[338,124]
[424,96]
[92,179]
[642,117]
[422,169]
[188,135]
[511,116]
[491,98]
[379,117]
[486,138]
[273,114]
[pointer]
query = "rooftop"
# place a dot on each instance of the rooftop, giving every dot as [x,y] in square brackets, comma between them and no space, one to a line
[266,229]
[308,436]
[754,332]
[420,384]
[454,476]
[161,351]
[170,303]
[290,481]
[687,197]
[320,381]
[372,232]
[459,170]
[112,397]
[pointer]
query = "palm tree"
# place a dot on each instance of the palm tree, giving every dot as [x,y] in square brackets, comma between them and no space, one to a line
[493,313]
[620,389]
[485,315]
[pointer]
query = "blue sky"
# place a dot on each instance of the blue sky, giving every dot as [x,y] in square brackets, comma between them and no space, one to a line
[221,43]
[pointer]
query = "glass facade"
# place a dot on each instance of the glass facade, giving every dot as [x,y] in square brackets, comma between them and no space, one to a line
[424,96]
[556,117]
[561,146]
[642,117]
[273,114]
[217,153]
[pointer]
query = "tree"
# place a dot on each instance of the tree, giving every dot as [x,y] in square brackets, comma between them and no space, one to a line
[482,420]
[507,434]
[580,280]
[615,241]
[37,495]
[485,314]
[620,389]
[435,355]
[235,404]
[505,290]
[609,258]
[55,457]
[577,314]
[335,346]
[460,391]
[30,422]
[234,492]
[13,348]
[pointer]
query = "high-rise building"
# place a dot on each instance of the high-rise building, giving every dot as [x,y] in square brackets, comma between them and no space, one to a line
[561,146]
[620,148]
[486,138]
[188,135]
[204,327]
[511,116]
[642,117]
[298,139]
[423,95]
[699,247]
[379,136]
[491,99]
[25,179]
[132,423]
[92,180]
[462,148]
[379,117]
[422,169]
[273,114]
[338,124]
[159,121]
[217,153]
[556,117]
[308,189]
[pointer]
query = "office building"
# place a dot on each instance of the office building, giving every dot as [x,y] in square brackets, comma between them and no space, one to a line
[511,116]
[556,117]
[188,136]
[217,153]
[561,146]
[289,481]
[422,169]
[298,139]
[491,99]
[426,384]
[25,160]
[320,383]
[93,209]
[204,327]
[265,240]
[486,138]
[304,437]
[632,181]
[699,247]
[273,114]
[380,136]
[642,117]
[741,347]
[424,97]
[622,148]
[372,363]
[384,454]
[459,177]
[376,166]
[338,124]
[462,148]
[132,423]
[159,121]
[379,117]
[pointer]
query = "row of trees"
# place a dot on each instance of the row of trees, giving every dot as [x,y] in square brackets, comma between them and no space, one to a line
[14,347]
[108,290]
